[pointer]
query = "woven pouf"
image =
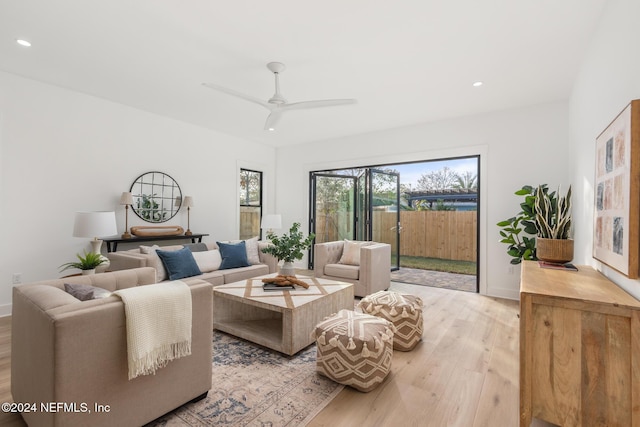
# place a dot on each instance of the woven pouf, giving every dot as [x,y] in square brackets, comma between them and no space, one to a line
[404,311]
[354,349]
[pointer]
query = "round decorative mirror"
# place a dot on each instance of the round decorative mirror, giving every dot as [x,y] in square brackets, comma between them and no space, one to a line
[156,197]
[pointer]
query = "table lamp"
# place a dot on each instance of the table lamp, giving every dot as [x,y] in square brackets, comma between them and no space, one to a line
[271,222]
[188,202]
[127,200]
[95,224]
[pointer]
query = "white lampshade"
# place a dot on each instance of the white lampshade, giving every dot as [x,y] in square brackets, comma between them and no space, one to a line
[94,224]
[187,202]
[271,221]
[126,198]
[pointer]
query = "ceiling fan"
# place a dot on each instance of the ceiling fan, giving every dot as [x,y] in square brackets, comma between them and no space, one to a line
[277,104]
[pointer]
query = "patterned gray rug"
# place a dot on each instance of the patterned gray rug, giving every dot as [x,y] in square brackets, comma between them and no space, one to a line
[255,386]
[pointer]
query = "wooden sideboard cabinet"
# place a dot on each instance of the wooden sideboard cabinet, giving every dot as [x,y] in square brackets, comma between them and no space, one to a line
[579,349]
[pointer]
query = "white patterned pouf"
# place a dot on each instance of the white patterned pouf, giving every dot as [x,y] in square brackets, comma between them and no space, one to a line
[404,311]
[354,349]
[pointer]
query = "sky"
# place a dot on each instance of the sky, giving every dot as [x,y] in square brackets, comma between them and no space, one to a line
[411,172]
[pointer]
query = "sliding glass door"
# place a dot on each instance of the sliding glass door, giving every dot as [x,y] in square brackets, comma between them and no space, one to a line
[361,205]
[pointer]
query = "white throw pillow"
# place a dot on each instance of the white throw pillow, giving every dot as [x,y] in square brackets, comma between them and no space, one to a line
[252,250]
[208,260]
[155,261]
[351,252]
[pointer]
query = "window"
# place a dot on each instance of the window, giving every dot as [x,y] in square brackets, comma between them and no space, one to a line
[250,203]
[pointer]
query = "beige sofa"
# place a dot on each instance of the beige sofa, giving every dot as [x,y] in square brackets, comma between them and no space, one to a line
[133,258]
[74,352]
[373,273]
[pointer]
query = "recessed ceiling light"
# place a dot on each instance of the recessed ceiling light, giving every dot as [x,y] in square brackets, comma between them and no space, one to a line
[477,84]
[23,42]
[272,129]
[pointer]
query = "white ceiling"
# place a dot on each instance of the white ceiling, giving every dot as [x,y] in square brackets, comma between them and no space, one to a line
[406,62]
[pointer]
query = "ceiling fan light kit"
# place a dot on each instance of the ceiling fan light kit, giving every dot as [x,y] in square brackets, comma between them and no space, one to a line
[278,104]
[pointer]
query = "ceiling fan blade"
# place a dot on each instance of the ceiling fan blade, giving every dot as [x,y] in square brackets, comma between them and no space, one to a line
[239,95]
[317,104]
[273,119]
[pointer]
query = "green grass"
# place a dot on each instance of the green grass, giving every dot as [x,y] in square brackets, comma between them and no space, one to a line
[437,264]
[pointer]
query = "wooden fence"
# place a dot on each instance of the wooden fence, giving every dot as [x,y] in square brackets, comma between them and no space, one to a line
[432,234]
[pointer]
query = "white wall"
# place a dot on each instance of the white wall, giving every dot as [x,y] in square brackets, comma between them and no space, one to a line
[63,151]
[608,80]
[517,147]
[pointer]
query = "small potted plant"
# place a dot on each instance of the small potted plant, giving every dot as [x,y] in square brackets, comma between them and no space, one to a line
[553,222]
[288,248]
[86,263]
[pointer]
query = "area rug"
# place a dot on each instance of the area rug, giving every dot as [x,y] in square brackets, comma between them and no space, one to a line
[258,387]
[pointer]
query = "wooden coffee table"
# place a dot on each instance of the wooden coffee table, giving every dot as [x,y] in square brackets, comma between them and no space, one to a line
[280,320]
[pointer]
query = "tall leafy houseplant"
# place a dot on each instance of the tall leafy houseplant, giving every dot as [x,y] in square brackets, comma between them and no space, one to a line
[288,247]
[519,231]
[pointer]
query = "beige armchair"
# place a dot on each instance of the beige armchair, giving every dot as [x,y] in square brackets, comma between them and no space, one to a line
[371,273]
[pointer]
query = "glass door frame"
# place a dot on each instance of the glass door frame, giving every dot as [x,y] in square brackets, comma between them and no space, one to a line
[398,228]
[313,206]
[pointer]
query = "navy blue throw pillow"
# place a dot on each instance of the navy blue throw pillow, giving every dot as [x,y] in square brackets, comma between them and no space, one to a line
[179,264]
[233,255]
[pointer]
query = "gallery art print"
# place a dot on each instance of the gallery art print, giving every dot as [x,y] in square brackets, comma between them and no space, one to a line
[616,239]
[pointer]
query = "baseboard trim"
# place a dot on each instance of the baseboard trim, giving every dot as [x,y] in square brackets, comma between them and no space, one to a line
[5,310]
[513,294]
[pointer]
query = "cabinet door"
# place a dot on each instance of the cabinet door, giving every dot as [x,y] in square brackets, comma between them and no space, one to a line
[581,373]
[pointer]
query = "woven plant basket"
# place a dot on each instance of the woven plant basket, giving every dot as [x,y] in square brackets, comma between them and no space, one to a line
[554,250]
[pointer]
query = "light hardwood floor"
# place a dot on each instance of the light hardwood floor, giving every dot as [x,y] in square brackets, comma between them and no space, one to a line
[463,373]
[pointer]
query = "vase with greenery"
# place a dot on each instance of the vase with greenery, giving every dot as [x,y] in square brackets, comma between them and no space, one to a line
[86,263]
[553,224]
[288,247]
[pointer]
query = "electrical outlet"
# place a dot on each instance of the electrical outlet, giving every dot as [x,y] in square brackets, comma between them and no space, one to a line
[17,278]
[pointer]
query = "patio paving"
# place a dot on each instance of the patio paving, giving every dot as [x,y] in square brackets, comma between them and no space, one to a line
[438,279]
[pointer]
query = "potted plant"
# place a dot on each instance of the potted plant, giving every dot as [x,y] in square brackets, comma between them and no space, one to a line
[553,222]
[519,231]
[86,263]
[288,248]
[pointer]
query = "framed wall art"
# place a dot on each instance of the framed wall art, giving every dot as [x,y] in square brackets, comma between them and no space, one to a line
[616,240]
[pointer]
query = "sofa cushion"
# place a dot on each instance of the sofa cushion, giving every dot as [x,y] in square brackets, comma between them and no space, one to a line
[86,292]
[351,252]
[216,278]
[208,261]
[179,264]
[154,261]
[342,270]
[244,273]
[234,255]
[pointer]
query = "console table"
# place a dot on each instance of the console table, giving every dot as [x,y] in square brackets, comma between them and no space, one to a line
[579,349]
[112,242]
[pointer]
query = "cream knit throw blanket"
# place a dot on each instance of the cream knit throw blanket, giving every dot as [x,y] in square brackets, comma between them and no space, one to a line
[158,325]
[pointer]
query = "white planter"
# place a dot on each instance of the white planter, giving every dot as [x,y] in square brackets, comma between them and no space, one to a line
[287,269]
